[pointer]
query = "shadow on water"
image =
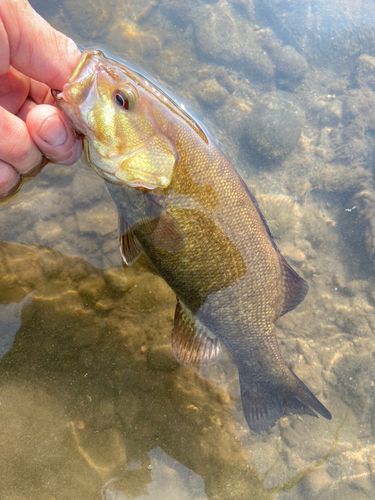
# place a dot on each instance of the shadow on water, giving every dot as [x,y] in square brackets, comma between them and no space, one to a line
[91,396]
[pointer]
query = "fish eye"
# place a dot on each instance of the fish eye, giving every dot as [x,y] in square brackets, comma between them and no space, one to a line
[123,99]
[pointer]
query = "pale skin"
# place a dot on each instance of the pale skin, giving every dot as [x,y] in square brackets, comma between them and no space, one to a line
[34,58]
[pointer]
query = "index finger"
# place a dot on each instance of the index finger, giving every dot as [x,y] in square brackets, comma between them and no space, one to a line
[33,47]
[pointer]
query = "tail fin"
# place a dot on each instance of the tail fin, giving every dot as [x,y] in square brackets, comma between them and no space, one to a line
[263,407]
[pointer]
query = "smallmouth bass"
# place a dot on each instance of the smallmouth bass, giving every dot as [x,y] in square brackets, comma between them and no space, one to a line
[182,202]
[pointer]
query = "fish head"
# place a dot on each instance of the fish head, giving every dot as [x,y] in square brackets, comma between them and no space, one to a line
[122,118]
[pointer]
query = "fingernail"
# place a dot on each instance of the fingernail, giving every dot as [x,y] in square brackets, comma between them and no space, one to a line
[53,131]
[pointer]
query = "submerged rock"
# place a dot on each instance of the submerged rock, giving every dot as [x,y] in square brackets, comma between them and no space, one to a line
[330,33]
[92,18]
[211,92]
[226,36]
[275,125]
[290,65]
[366,71]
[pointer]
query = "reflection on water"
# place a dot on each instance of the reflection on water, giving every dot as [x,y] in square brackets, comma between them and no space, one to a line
[91,392]
[93,404]
[170,480]
[10,323]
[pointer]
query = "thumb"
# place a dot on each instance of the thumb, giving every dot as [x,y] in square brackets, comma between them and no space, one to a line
[53,135]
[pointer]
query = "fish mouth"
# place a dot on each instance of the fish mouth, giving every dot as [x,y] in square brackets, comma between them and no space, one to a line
[57,95]
[90,68]
[60,102]
[76,90]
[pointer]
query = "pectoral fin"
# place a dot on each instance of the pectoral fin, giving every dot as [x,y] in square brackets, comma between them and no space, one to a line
[163,232]
[144,222]
[130,248]
[192,344]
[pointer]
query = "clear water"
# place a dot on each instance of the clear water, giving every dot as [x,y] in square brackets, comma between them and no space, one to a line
[92,403]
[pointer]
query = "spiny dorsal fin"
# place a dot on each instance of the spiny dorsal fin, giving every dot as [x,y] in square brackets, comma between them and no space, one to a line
[295,288]
[191,342]
[130,248]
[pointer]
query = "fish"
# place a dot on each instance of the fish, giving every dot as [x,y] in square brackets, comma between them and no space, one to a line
[182,202]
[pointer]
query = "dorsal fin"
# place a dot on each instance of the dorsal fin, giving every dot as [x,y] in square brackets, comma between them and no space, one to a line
[295,287]
[192,344]
[259,212]
[130,248]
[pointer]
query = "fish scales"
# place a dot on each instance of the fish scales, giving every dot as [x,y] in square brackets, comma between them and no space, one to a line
[181,201]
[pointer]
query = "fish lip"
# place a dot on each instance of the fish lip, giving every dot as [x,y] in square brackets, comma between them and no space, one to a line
[57,95]
[87,66]
[59,99]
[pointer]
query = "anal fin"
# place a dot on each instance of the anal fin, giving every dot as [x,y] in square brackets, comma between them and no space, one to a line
[192,343]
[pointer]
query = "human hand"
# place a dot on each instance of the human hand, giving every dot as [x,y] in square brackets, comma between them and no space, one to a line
[34,57]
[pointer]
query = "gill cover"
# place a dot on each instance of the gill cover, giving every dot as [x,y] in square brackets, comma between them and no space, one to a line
[151,166]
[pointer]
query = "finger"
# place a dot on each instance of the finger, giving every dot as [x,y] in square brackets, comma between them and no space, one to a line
[53,135]
[40,93]
[4,49]
[18,149]
[28,105]
[29,43]
[14,88]
[9,179]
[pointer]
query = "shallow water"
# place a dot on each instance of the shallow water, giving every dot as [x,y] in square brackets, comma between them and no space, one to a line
[93,404]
